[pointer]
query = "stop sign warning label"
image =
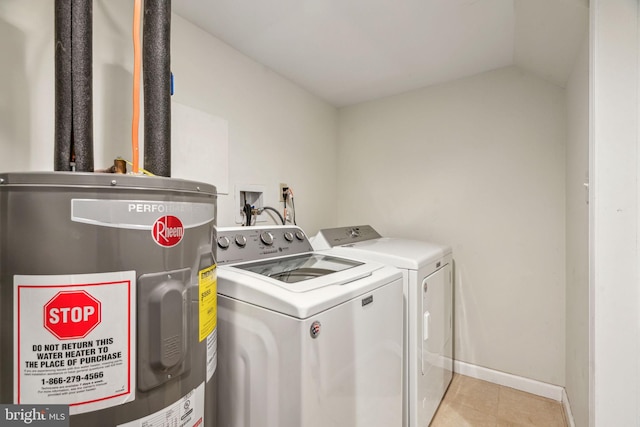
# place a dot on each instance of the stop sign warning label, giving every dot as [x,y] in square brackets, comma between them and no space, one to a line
[74,340]
[71,314]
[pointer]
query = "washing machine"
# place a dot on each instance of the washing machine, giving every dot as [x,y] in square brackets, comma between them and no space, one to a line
[306,339]
[428,309]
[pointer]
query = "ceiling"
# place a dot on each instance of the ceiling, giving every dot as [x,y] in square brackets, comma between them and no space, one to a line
[350,51]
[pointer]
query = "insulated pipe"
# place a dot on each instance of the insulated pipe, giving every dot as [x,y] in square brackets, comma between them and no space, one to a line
[63,90]
[82,77]
[156,60]
[73,85]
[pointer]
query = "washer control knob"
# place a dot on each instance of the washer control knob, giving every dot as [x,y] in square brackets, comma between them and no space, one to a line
[299,235]
[355,232]
[241,240]
[267,238]
[223,242]
[288,236]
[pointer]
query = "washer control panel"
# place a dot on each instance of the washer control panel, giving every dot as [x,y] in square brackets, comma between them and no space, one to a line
[241,244]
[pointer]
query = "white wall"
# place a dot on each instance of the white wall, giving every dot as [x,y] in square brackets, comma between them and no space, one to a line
[478,164]
[614,176]
[26,94]
[277,131]
[577,224]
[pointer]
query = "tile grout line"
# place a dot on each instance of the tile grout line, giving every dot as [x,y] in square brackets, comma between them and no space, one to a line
[498,405]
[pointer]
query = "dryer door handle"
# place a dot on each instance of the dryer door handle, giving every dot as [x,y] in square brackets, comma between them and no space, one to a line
[425,326]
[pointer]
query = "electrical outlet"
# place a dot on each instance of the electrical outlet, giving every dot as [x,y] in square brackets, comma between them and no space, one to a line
[282,187]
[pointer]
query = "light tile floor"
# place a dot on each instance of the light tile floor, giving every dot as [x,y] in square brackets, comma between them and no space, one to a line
[474,403]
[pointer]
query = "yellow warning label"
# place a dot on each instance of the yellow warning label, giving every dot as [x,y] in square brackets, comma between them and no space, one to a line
[208,301]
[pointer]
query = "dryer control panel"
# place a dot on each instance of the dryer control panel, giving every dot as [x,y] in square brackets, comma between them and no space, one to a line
[329,238]
[240,244]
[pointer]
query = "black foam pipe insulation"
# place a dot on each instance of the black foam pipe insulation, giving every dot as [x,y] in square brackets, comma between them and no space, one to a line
[82,76]
[156,62]
[73,85]
[63,110]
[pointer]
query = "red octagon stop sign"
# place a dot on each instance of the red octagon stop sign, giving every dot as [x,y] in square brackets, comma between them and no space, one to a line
[71,314]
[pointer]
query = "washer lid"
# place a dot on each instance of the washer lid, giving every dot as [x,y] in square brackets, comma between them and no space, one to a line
[302,298]
[300,268]
[401,253]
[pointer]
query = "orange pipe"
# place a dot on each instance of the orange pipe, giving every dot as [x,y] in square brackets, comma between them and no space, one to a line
[137,59]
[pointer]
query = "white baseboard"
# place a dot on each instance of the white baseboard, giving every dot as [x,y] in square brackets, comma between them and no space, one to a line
[568,415]
[528,385]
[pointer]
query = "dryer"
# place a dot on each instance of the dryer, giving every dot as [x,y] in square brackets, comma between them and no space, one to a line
[306,339]
[428,310]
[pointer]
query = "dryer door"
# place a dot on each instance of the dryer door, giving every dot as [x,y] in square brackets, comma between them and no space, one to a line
[436,325]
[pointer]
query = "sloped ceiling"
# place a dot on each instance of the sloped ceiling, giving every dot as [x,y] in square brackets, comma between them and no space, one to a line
[350,51]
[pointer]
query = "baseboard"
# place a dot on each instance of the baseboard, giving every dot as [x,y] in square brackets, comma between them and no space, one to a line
[538,388]
[568,415]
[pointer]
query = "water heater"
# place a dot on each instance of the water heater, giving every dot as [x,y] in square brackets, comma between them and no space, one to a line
[108,297]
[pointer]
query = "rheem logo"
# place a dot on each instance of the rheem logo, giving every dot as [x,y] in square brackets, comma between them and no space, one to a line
[167,231]
[71,314]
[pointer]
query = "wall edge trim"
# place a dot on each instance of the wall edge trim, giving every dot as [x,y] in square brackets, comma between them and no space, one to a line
[566,405]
